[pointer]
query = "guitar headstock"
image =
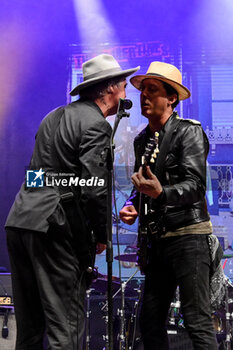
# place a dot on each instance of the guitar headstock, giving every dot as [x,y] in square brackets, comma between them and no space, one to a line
[151,150]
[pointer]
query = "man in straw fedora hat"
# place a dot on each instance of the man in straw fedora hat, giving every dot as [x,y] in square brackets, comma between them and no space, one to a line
[174,224]
[52,228]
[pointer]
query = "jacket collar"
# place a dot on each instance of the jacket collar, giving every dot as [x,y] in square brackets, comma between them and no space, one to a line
[145,134]
[170,121]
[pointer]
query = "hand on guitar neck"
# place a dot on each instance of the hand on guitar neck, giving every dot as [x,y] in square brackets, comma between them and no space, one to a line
[144,181]
[148,185]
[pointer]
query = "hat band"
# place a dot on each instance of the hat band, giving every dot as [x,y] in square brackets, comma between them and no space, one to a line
[162,76]
[158,75]
[103,73]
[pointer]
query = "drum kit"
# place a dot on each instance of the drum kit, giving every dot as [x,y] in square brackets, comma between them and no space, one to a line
[128,336]
[223,316]
[125,315]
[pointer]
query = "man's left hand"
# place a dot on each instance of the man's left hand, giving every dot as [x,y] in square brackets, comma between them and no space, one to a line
[150,185]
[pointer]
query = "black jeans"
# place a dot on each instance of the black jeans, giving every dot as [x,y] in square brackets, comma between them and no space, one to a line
[182,261]
[48,289]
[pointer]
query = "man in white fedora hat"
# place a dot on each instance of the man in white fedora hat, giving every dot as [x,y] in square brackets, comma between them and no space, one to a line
[58,220]
[174,224]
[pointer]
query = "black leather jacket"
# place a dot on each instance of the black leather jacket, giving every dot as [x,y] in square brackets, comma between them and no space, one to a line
[183,176]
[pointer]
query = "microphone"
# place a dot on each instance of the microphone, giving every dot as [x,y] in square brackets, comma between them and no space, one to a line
[124,104]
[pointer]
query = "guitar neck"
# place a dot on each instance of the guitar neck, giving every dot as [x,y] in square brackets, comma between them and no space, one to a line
[149,156]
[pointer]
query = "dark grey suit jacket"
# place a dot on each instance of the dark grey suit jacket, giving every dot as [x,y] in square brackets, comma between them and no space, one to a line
[76,146]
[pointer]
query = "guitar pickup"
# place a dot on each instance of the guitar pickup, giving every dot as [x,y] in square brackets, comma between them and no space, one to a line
[156,228]
[153,228]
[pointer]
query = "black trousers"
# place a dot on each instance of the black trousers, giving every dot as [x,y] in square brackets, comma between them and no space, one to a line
[48,289]
[182,261]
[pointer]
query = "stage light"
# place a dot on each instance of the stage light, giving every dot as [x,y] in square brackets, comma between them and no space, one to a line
[93,24]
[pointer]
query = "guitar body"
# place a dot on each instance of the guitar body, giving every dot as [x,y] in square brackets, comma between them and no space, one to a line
[142,252]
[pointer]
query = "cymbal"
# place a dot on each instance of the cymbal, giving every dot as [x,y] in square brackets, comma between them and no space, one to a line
[101,285]
[105,277]
[129,257]
[132,247]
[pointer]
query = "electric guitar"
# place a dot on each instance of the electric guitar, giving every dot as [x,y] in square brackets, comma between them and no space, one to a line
[149,156]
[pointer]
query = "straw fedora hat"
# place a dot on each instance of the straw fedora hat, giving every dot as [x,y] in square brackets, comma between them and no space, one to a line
[101,68]
[165,72]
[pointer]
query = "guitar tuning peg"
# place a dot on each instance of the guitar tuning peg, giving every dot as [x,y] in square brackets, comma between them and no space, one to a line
[152,160]
[156,149]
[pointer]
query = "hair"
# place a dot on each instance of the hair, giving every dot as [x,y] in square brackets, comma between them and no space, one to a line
[98,90]
[171,91]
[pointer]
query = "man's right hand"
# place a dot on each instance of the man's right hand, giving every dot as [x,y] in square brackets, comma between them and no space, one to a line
[128,214]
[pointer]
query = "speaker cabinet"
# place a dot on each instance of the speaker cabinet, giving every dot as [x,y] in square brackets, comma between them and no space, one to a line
[5,284]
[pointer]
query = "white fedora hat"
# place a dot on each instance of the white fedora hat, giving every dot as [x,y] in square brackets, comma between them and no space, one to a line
[100,68]
[165,72]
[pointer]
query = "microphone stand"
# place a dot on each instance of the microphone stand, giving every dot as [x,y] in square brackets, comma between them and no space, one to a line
[122,105]
[228,315]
